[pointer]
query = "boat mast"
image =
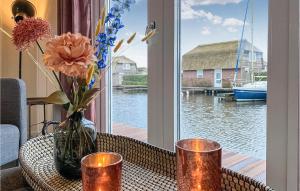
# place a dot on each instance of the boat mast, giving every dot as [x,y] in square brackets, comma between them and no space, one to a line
[252,47]
[240,46]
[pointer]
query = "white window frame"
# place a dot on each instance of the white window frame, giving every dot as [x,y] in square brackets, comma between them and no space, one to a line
[164,72]
[283,96]
[200,73]
[162,90]
[126,66]
[103,111]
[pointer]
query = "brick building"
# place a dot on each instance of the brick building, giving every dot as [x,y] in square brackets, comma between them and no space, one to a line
[213,65]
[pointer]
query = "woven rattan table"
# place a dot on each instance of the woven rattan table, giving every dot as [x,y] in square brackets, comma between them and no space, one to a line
[145,167]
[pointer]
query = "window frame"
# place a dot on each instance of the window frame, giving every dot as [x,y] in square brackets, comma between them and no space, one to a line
[164,74]
[283,96]
[201,75]
[126,66]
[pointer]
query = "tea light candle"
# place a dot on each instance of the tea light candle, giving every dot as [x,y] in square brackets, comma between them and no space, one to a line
[198,165]
[101,172]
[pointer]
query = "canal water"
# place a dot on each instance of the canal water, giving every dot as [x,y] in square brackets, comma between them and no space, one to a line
[239,127]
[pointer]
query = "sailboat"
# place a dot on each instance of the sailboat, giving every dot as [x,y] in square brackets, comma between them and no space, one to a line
[256,90]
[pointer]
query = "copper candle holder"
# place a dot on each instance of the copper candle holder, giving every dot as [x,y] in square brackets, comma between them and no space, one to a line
[101,172]
[198,165]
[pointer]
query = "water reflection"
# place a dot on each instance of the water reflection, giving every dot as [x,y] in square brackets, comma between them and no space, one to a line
[239,127]
[129,108]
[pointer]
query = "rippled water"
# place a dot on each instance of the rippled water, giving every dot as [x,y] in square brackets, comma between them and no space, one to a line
[239,127]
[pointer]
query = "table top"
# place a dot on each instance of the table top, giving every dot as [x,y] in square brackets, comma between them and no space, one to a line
[145,167]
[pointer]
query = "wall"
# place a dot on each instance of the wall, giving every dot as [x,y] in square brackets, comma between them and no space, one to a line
[189,78]
[37,84]
[119,68]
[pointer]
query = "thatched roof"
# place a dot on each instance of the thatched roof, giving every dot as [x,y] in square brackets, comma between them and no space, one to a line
[213,56]
[122,60]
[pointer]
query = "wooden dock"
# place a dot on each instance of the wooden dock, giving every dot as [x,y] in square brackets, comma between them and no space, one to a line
[131,89]
[185,90]
[205,90]
[249,166]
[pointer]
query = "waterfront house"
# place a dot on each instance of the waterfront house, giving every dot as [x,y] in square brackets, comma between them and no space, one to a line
[122,66]
[213,65]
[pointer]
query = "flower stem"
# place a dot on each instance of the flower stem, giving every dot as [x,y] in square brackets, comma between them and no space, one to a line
[56,77]
[40,47]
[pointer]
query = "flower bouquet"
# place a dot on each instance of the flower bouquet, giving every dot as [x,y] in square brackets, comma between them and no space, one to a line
[82,63]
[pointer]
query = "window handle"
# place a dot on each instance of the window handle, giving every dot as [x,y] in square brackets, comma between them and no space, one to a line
[151,26]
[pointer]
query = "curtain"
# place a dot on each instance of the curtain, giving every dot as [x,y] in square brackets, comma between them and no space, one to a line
[75,16]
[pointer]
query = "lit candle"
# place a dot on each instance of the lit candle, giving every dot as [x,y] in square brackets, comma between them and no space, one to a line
[198,165]
[101,172]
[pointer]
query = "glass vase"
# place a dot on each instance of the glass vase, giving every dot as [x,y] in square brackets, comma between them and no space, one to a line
[74,138]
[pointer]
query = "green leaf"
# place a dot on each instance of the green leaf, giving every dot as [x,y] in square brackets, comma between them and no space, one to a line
[88,97]
[58,97]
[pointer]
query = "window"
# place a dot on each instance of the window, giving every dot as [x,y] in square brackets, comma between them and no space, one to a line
[210,43]
[259,57]
[199,73]
[128,91]
[126,66]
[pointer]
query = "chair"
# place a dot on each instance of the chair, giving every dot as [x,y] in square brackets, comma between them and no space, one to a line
[13,120]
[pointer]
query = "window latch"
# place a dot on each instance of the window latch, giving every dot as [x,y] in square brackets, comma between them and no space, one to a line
[150,27]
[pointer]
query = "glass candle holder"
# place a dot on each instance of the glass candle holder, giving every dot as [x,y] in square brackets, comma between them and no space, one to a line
[101,172]
[198,165]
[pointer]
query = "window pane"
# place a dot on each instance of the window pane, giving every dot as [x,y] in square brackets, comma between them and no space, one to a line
[199,73]
[129,77]
[217,63]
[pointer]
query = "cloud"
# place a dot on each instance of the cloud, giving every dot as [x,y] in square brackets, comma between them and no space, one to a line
[220,2]
[205,31]
[232,29]
[215,19]
[232,22]
[188,12]
[210,2]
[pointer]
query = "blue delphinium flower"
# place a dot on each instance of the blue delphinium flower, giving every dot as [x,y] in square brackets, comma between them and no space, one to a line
[111,31]
[101,38]
[117,10]
[92,82]
[117,24]
[127,3]
[101,63]
[108,37]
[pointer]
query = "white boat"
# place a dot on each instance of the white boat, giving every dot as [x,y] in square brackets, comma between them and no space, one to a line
[256,91]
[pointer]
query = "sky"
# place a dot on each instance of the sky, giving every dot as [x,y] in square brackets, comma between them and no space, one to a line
[202,22]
